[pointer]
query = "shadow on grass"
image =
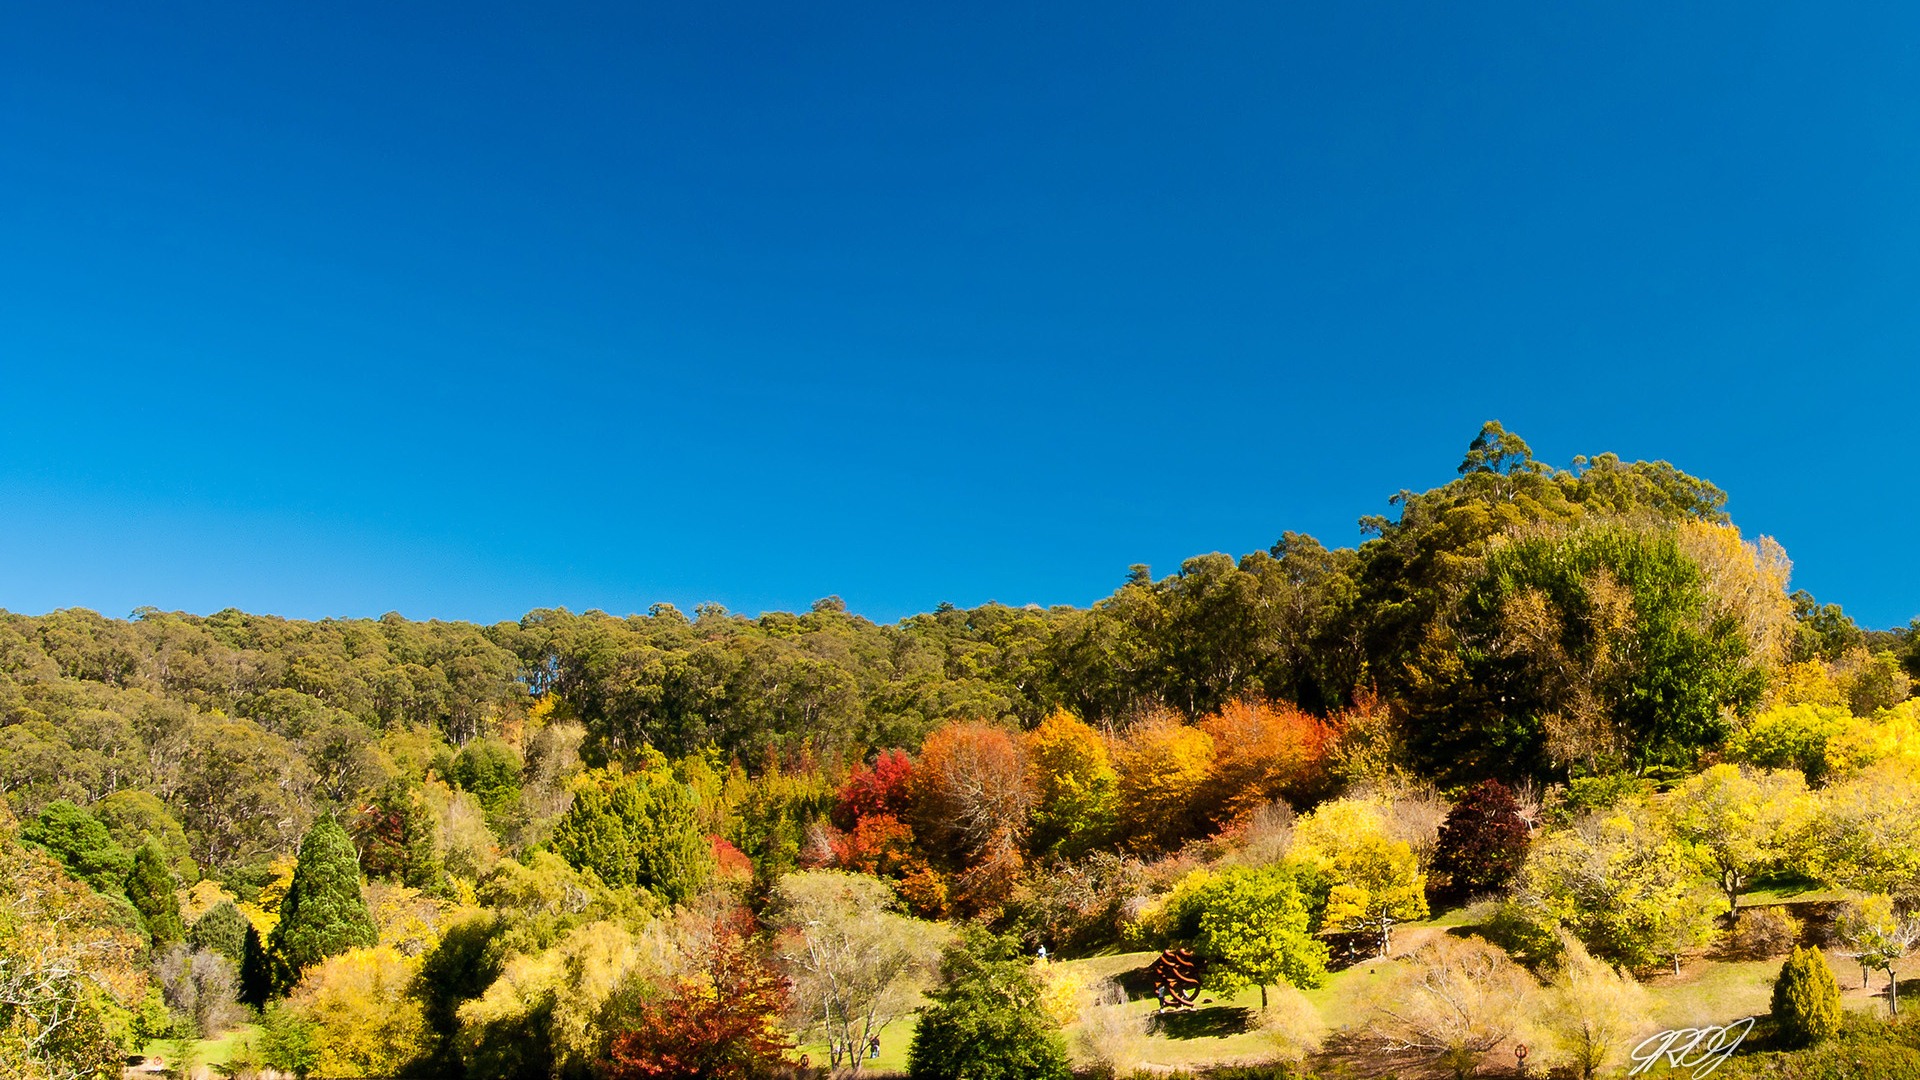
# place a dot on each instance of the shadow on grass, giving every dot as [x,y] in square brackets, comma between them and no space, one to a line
[1138,983]
[1212,1022]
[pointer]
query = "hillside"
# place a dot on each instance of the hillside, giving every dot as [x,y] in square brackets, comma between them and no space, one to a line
[1551,735]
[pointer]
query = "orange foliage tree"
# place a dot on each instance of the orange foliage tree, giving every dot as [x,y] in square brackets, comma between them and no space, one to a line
[718,1022]
[1265,751]
[972,795]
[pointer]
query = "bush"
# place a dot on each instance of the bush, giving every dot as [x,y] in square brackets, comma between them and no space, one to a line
[1806,999]
[1761,934]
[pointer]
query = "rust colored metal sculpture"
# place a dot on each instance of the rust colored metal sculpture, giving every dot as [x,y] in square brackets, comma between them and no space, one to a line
[1176,979]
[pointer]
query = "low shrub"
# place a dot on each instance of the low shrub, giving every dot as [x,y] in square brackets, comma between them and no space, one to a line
[1761,933]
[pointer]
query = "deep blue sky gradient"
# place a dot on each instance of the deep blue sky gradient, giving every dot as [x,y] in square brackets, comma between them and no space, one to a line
[463,309]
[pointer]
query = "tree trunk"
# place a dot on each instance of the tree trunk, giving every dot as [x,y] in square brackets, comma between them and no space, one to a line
[1263,997]
[1893,992]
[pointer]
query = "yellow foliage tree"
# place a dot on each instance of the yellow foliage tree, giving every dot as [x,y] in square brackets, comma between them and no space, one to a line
[1074,782]
[1376,880]
[1164,765]
[1739,823]
[556,995]
[364,1021]
[264,912]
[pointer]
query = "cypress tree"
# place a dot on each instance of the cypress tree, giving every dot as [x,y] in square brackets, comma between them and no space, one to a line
[150,888]
[323,912]
[1806,999]
[256,974]
[223,930]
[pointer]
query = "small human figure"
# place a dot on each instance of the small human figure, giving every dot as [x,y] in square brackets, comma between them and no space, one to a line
[873,1048]
[1043,952]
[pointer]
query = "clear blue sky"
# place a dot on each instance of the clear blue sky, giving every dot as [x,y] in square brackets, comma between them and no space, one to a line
[464,309]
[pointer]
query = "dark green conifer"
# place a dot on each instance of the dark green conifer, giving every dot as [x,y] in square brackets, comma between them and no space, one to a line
[323,912]
[256,971]
[223,930]
[150,889]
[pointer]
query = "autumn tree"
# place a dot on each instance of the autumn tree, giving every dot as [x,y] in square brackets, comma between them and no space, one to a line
[1790,736]
[395,835]
[718,1021]
[541,1012]
[855,963]
[972,795]
[1075,786]
[883,789]
[1866,833]
[1483,842]
[1375,881]
[323,913]
[365,1022]
[1265,751]
[1631,893]
[1163,767]
[1738,823]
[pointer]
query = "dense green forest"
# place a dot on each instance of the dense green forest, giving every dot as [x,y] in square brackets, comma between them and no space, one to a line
[466,802]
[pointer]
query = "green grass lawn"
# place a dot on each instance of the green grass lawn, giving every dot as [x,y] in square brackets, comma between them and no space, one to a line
[207,1051]
[894,1039]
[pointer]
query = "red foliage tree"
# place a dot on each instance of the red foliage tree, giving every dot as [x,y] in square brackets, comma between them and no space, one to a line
[881,845]
[719,1025]
[1482,843]
[879,790]
[730,863]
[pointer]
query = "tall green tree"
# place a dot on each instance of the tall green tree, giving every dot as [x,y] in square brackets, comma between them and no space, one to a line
[1592,648]
[324,912]
[81,843]
[150,888]
[986,1021]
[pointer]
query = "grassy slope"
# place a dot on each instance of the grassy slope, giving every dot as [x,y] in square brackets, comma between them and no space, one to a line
[208,1052]
[1705,992]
